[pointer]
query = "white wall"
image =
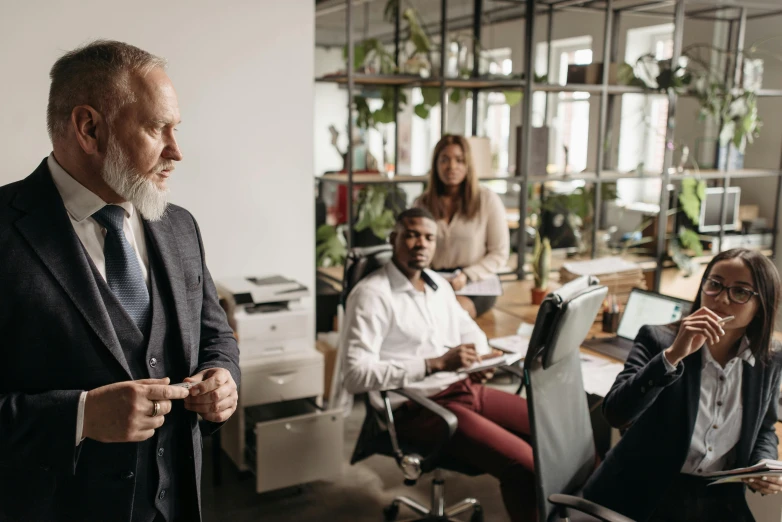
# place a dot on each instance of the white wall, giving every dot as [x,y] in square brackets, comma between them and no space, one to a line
[243,73]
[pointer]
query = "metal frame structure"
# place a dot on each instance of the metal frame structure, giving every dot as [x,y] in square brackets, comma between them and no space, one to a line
[736,12]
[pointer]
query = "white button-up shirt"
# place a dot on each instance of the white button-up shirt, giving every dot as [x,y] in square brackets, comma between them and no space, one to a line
[81,204]
[720,412]
[391,328]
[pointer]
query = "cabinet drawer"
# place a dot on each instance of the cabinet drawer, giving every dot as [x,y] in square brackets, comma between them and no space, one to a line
[296,450]
[274,326]
[281,383]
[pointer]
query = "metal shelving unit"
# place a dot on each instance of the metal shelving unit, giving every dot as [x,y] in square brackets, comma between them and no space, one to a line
[734,12]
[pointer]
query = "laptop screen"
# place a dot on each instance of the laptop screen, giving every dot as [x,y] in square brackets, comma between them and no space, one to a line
[649,308]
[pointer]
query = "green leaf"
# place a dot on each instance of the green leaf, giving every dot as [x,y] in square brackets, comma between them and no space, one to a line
[690,198]
[431,95]
[625,74]
[422,111]
[456,95]
[689,239]
[513,98]
[384,114]
[417,34]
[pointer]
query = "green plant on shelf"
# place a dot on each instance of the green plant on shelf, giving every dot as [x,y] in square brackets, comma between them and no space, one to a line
[331,247]
[377,207]
[372,55]
[541,262]
[734,107]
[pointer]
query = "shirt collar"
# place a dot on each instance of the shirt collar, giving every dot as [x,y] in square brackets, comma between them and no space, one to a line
[79,201]
[399,281]
[744,353]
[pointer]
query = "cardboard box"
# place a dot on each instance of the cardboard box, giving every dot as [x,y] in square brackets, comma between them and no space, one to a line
[591,74]
[329,359]
[480,148]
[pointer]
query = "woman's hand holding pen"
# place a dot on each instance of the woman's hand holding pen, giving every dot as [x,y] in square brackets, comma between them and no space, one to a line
[696,329]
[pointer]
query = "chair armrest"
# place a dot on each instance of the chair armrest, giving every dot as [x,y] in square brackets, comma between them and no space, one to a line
[451,423]
[590,508]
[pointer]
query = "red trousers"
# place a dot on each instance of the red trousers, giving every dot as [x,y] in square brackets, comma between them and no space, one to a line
[493,426]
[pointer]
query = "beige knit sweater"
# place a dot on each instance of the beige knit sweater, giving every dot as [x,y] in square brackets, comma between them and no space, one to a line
[479,246]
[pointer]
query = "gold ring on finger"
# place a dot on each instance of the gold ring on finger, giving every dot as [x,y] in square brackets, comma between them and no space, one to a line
[155,408]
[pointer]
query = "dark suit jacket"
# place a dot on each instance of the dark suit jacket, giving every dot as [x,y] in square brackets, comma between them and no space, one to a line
[56,340]
[659,412]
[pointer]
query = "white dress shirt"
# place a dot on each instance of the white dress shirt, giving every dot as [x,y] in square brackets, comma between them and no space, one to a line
[81,204]
[391,328]
[720,412]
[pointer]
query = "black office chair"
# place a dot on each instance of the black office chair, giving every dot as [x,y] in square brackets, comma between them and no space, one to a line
[562,438]
[378,435]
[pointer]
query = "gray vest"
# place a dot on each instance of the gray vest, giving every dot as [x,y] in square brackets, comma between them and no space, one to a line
[164,476]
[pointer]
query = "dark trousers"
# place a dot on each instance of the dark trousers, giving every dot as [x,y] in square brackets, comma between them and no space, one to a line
[493,426]
[690,498]
[483,303]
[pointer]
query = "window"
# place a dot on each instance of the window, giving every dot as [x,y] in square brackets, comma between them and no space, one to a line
[568,112]
[497,112]
[644,119]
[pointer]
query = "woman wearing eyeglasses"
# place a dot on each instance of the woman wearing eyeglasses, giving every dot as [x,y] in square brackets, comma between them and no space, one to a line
[695,397]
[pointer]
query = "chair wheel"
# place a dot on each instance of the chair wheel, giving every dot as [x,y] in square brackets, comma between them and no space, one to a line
[477,514]
[391,512]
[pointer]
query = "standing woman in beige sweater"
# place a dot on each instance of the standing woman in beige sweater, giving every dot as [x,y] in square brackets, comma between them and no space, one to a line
[472,228]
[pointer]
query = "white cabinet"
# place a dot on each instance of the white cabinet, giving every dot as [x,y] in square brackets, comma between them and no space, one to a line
[278,431]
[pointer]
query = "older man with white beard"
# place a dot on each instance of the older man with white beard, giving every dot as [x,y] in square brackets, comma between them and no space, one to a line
[112,336]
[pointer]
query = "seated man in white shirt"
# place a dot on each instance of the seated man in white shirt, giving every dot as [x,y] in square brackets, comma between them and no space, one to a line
[404,328]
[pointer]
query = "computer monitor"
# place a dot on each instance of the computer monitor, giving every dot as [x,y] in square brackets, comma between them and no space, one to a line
[711,206]
[644,307]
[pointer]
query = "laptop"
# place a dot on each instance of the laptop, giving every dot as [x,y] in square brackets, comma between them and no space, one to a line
[643,307]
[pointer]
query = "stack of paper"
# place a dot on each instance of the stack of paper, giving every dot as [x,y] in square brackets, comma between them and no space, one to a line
[511,344]
[618,275]
[599,374]
[490,286]
[488,363]
[763,468]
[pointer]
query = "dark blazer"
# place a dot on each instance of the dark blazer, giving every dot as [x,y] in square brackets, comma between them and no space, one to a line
[659,412]
[56,340]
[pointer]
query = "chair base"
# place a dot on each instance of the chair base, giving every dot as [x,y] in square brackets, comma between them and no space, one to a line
[438,512]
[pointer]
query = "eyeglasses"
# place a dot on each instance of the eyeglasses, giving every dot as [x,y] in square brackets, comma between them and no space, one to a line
[737,294]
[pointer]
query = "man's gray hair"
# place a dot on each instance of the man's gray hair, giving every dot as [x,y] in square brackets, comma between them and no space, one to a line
[97,74]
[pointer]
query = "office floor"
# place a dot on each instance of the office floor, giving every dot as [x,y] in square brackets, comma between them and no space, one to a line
[359,495]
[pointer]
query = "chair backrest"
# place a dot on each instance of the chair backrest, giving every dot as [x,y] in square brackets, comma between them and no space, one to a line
[562,438]
[360,262]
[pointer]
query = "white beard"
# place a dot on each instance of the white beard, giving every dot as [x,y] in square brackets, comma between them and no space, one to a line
[149,200]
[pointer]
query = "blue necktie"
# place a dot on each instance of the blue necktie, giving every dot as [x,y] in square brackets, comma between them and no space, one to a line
[123,270]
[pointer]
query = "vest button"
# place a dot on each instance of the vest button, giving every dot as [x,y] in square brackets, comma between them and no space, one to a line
[160,452]
[153,362]
[162,494]
[127,475]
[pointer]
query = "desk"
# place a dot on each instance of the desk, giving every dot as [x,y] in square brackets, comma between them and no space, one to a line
[515,307]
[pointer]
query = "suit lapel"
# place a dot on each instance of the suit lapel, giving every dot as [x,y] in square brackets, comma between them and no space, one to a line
[47,228]
[751,397]
[165,242]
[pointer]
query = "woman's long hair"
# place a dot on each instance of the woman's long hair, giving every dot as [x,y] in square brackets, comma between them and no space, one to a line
[432,199]
[760,330]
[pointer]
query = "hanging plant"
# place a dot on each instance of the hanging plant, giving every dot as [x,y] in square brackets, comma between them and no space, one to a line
[735,107]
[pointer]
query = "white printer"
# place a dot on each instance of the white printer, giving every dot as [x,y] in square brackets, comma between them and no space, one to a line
[268,315]
[280,431]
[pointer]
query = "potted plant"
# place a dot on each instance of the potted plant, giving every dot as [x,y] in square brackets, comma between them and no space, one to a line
[541,266]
